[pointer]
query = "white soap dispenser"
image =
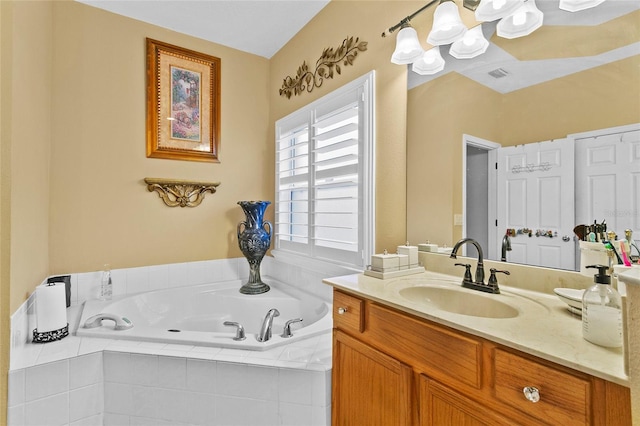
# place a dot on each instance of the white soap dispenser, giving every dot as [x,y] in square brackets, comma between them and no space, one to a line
[602,311]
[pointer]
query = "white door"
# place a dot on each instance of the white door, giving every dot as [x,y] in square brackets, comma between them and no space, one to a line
[535,197]
[608,179]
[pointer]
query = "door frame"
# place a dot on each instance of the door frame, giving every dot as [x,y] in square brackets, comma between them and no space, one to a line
[490,147]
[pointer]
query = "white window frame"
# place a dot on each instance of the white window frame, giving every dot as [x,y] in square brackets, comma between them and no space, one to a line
[365,86]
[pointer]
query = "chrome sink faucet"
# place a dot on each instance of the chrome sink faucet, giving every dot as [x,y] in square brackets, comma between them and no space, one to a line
[480,265]
[267,324]
[467,281]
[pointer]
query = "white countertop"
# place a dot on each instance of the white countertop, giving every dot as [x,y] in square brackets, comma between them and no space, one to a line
[544,326]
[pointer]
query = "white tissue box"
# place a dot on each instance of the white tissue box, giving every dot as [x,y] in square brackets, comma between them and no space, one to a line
[431,248]
[404,261]
[385,262]
[411,252]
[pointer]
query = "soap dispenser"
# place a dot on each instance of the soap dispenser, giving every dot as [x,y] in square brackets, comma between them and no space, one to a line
[602,311]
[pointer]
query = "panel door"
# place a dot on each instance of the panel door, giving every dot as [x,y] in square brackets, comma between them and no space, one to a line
[608,181]
[535,193]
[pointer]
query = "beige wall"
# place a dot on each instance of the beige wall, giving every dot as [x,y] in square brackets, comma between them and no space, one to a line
[26,114]
[366,20]
[101,211]
[73,152]
[441,111]
[30,142]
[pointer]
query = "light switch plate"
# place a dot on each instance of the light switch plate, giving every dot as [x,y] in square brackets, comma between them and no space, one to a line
[457,219]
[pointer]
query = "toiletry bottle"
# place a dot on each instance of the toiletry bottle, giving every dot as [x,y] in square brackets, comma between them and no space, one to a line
[602,311]
[106,285]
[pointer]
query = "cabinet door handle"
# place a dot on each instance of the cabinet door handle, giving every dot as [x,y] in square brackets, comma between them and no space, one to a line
[531,393]
[342,311]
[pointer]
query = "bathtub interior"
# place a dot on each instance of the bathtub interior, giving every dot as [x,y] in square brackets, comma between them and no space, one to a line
[196,315]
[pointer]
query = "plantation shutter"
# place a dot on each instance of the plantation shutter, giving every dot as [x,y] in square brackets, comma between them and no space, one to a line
[320,198]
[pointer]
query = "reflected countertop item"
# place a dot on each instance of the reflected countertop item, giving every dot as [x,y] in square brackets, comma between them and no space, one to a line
[543,326]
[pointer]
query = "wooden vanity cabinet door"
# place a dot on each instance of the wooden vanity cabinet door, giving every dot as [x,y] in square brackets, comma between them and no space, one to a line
[442,406]
[368,387]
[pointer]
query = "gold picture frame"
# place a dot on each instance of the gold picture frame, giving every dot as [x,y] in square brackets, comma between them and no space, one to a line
[183,103]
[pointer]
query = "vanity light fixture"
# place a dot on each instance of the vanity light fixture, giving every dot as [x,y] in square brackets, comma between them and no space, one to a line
[518,18]
[408,48]
[578,5]
[490,10]
[447,25]
[431,62]
[523,22]
[471,45]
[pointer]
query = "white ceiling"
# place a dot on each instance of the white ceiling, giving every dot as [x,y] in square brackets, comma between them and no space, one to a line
[260,27]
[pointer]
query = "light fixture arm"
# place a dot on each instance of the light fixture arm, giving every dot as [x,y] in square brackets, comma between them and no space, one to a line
[469,4]
[405,21]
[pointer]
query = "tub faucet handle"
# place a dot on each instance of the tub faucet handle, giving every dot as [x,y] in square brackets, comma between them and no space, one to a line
[287,327]
[239,330]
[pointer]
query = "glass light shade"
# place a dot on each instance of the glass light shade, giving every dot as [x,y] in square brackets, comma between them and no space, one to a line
[471,45]
[430,62]
[578,5]
[408,47]
[447,25]
[490,10]
[523,22]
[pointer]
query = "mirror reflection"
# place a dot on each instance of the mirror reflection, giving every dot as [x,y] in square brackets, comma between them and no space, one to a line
[565,98]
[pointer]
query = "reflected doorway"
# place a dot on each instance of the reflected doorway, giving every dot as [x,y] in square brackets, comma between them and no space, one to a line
[478,194]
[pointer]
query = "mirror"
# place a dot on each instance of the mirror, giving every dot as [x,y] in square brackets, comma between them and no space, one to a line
[577,73]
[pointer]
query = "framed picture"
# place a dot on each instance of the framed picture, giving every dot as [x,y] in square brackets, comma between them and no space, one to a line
[183,103]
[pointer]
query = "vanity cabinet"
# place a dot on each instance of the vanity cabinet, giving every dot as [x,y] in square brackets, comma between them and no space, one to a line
[390,367]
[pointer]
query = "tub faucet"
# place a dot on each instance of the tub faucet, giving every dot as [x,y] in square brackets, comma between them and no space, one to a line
[506,246]
[267,324]
[479,279]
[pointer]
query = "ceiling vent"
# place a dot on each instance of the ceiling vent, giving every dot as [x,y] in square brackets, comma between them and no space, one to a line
[498,73]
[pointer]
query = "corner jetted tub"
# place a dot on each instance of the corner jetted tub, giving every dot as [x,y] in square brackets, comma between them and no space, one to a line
[196,316]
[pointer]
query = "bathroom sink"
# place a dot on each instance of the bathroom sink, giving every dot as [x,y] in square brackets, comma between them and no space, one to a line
[459,301]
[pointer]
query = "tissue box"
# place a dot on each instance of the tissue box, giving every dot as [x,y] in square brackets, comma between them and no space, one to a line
[411,252]
[431,248]
[404,261]
[385,262]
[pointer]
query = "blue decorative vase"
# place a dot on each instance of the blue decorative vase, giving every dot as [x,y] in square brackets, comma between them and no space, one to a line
[254,241]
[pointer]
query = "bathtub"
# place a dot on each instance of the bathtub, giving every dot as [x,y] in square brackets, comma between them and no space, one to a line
[195,315]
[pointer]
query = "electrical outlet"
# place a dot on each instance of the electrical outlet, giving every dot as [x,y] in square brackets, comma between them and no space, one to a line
[457,219]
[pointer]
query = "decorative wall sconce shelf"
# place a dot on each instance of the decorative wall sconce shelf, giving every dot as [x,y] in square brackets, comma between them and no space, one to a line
[181,193]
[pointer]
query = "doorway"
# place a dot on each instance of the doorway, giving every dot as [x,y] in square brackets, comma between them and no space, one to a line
[478,194]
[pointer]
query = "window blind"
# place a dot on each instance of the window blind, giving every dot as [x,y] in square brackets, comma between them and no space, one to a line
[321,170]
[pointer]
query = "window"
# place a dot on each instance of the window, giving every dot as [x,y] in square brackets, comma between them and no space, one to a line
[324,177]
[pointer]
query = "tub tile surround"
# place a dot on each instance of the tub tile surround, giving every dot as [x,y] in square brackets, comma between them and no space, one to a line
[92,381]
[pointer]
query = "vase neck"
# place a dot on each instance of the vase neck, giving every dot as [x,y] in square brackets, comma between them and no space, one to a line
[254,213]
